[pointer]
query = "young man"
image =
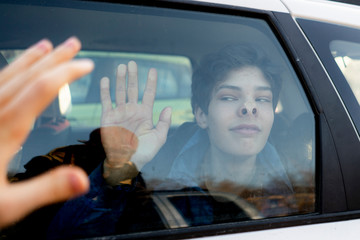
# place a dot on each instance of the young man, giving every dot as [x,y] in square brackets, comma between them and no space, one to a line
[234,94]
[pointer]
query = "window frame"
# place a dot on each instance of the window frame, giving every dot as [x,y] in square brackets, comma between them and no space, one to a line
[320,34]
[296,48]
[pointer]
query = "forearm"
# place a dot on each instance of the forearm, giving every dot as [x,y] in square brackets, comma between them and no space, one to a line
[119,175]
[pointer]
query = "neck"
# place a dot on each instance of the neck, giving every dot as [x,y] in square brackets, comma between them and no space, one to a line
[230,168]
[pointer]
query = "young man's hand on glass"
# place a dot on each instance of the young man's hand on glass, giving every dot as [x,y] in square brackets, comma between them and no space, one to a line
[128,134]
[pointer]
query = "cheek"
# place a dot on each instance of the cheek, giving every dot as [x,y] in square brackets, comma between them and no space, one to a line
[219,115]
[267,119]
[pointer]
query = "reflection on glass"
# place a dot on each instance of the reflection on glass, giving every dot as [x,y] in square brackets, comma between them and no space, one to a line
[240,145]
[232,163]
[224,166]
[347,57]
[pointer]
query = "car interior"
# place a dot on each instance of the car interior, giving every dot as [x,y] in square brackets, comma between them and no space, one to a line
[172,41]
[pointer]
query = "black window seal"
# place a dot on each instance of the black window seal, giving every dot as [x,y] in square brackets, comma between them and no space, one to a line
[320,34]
[237,227]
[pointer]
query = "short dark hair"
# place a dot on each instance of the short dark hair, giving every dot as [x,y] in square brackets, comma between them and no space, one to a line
[214,68]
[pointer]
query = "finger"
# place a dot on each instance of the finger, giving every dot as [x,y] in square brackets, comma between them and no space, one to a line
[61,54]
[150,89]
[23,62]
[133,89]
[47,85]
[105,94]
[164,123]
[121,85]
[36,96]
[19,199]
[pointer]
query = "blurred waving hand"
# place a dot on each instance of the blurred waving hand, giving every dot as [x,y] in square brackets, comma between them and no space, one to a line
[27,86]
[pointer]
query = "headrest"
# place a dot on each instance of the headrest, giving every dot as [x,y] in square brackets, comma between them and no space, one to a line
[61,104]
[3,62]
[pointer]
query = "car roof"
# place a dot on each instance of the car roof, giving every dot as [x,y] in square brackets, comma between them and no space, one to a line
[321,10]
[268,5]
[325,11]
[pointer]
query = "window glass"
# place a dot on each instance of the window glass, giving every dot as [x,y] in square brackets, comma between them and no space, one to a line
[337,47]
[240,145]
[173,87]
[347,57]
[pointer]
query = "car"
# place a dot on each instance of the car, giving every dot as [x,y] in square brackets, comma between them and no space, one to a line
[313,47]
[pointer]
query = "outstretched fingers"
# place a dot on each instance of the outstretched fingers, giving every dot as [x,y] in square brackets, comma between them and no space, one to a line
[164,123]
[121,85]
[132,88]
[36,95]
[27,86]
[60,184]
[26,60]
[150,89]
[105,94]
[63,53]
[48,84]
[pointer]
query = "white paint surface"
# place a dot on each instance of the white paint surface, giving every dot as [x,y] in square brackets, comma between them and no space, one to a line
[343,230]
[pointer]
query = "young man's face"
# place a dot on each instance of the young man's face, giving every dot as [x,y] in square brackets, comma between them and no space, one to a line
[240,113]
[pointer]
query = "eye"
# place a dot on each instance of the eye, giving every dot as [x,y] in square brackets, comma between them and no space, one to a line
[264,99]
[228,98]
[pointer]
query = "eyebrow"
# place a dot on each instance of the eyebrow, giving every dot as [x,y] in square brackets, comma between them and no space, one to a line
[259,88]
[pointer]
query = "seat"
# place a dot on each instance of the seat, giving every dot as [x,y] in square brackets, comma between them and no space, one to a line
[51,130]
[15,162]
[3,62]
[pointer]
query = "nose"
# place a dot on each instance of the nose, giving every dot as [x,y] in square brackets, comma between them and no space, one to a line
[248,109]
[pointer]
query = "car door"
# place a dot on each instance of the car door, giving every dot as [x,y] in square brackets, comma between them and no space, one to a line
[308,132]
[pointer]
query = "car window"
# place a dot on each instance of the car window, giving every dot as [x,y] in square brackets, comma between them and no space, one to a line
[346,55]
[240,146]
[337,47]
[173,89]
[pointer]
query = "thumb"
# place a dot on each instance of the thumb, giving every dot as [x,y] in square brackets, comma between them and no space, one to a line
[164,123]
[19,199]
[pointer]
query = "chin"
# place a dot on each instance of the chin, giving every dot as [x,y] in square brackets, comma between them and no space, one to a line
[244,152]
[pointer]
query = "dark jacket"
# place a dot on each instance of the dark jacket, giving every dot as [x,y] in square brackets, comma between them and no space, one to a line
[130,208]
[87,156]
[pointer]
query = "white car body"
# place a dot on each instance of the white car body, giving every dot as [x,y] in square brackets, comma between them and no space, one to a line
[335,230]
[333,215]
[319,10]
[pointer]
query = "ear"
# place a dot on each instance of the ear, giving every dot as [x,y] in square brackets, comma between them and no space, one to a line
[201,118]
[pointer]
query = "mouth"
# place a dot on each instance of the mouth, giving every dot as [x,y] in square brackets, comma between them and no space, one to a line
[246,129]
